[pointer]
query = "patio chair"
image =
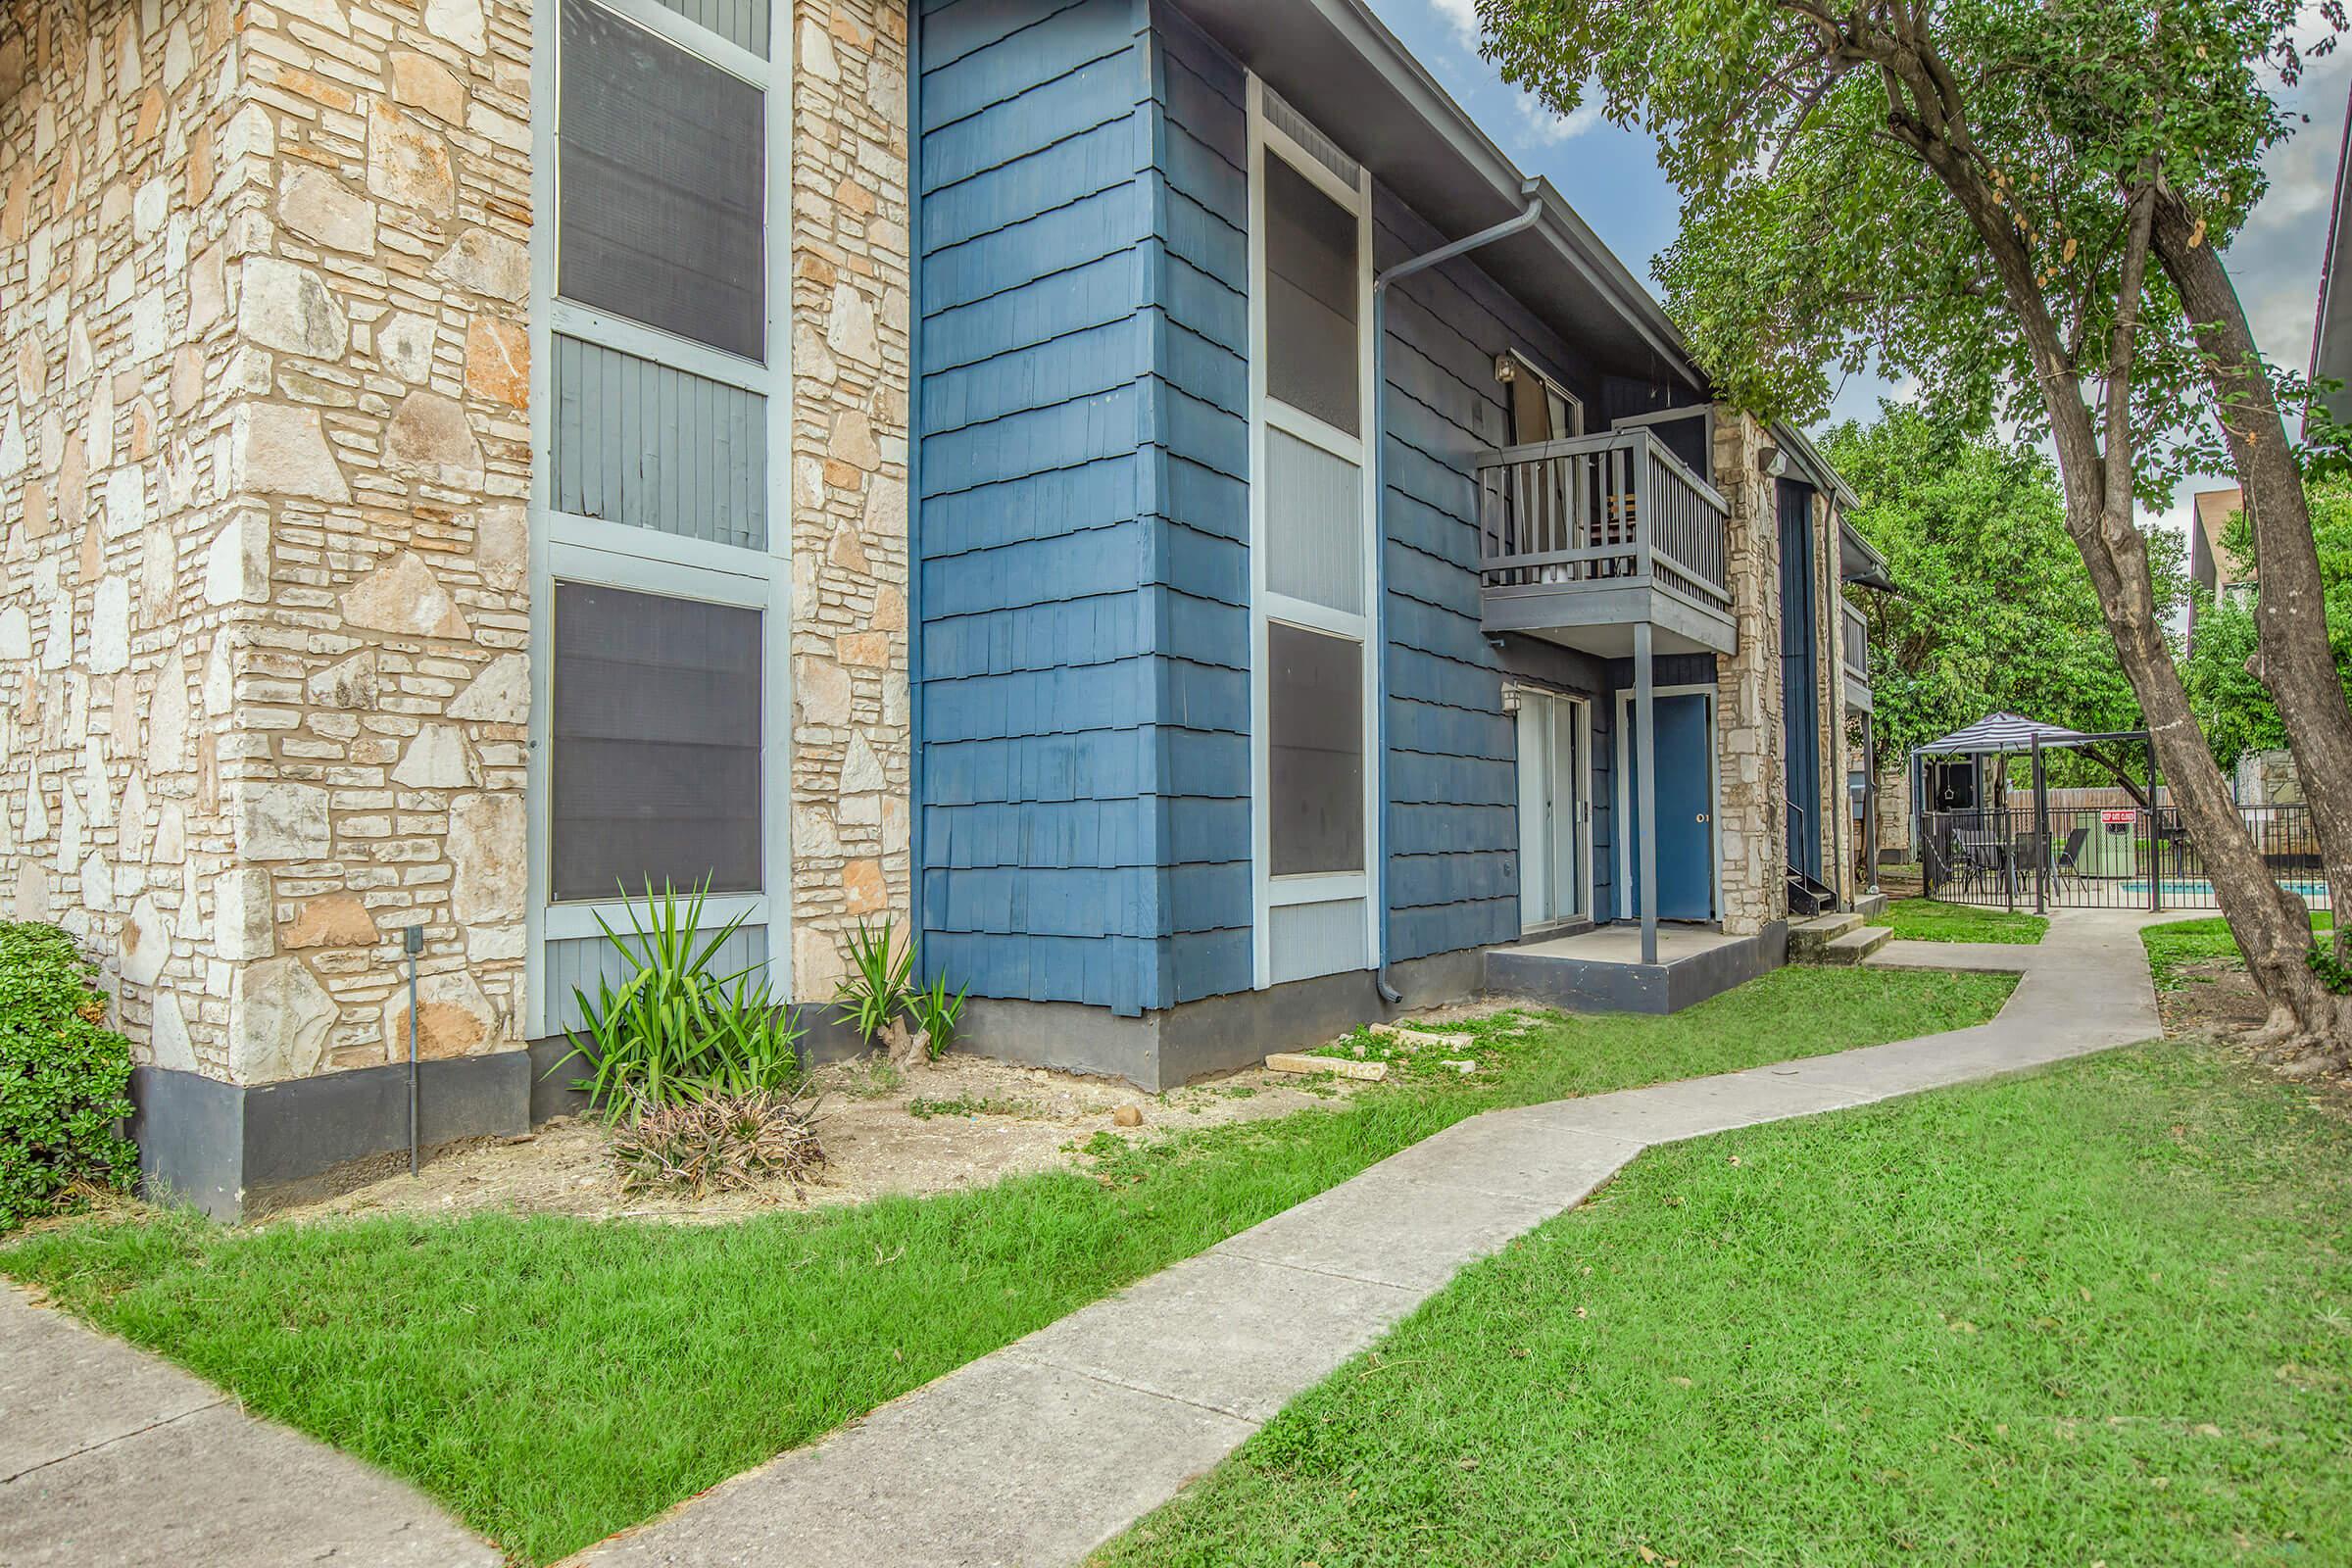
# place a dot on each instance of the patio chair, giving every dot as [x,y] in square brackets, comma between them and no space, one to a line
[1980,858]
[2070,859]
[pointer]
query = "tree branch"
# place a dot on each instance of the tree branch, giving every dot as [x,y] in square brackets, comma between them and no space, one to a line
[2122,343]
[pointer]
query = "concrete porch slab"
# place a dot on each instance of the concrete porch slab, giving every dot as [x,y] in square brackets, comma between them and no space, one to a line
[1601,970]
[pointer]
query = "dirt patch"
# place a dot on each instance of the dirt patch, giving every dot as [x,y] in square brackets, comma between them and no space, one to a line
[2215,1000]
[963,1122]
[2214,995]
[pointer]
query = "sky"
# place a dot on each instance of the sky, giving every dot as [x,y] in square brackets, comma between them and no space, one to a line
[1611,177]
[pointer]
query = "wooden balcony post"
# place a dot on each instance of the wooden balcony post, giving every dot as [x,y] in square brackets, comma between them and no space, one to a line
[1645,522]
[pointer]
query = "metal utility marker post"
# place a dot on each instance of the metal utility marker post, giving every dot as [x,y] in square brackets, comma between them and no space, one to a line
[412,942]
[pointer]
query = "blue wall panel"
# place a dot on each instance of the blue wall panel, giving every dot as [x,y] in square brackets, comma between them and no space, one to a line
[1082,408]
[1083,525]
[1451,830]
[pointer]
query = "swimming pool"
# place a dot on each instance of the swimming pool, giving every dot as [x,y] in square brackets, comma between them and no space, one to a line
[2199,890]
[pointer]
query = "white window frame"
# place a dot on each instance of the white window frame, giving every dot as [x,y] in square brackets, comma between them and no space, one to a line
[1266,413]
[1624,902]
[576,564]
[571,548]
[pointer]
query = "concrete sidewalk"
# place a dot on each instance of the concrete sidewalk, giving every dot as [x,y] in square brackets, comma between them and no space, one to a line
[108,1455]
[1038,1453]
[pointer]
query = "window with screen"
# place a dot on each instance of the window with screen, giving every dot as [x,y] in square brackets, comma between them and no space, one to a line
[1311,296]
[656,728]
[1315,751]
[662,185]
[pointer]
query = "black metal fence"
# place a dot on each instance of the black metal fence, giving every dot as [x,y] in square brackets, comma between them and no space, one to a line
[2114,857]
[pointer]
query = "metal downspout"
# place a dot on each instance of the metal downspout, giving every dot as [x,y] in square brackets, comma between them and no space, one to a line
[1380,508]
[914,473]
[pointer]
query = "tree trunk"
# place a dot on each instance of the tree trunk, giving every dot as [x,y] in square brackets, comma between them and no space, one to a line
[2297,666]
[2272,926]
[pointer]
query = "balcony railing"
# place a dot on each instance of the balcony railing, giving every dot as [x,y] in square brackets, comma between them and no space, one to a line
[1615,511]
[1856,645]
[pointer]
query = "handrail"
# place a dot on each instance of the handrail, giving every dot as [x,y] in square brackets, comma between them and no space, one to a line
[1616,510]
[1609,440]
[1853,646]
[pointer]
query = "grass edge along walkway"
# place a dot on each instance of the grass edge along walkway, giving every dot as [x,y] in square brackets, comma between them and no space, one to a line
[1923,920]
[2091,1315]
[553,1381]
[1044,1450]
[2176,944]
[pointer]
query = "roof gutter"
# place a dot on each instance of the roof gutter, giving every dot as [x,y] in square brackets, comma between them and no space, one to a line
[1533,193]
[1566,232]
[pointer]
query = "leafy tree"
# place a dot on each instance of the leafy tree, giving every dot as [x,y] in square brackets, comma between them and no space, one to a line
[2235,712]
[2021,204]
[1996,609]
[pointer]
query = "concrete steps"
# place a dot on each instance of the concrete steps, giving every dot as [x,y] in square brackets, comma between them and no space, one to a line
[1856,945]
[1840,938]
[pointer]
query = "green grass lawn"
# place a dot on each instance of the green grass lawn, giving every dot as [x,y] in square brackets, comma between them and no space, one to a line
[555,1380]
[2185,942]
[1932,920]
[2098,1314]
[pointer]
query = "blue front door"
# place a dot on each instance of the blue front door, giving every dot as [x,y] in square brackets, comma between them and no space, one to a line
[1686,811]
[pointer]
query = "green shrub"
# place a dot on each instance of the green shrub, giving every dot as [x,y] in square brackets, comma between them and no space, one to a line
[876,990]
[937,1013]
[674,1032]
[63,1074]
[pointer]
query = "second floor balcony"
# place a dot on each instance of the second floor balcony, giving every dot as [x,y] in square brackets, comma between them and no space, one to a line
[1853,647]
[1581,540]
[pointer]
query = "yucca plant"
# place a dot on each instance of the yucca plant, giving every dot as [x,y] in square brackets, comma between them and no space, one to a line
[936,1013]
[875,991]
[674,1030]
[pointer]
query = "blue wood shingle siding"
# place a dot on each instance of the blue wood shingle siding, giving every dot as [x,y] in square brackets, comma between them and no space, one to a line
[1084,517]
[1451,826]
[1083,406]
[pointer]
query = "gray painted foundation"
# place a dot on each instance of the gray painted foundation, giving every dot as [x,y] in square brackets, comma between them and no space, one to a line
[1215,1034]
[234,1152]
[237,1153]
[1595,986]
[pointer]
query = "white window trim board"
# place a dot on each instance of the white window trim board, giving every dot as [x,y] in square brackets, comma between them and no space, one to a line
[1269,892]
[587,548]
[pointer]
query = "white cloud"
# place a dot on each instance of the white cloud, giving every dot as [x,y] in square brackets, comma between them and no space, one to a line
[1549,129]
[1462,16]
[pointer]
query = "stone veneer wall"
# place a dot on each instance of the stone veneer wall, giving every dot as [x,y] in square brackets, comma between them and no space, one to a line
[1752,829]
[123,150]
[851,734]
[265,455]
